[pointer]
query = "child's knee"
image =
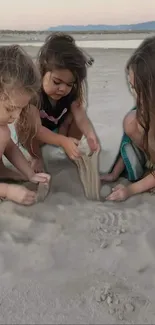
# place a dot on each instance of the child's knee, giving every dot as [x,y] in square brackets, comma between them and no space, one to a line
[68,120]
[130,124]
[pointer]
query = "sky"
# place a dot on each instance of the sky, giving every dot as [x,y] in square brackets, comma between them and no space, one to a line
[41,14]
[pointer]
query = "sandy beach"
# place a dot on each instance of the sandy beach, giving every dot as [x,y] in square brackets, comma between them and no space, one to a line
[73,261]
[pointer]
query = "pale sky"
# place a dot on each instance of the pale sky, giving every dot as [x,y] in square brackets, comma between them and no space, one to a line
[41,14]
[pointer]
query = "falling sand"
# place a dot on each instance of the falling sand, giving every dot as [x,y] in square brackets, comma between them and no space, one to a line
[88,170]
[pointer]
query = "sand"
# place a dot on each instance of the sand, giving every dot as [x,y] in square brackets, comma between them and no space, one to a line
[71,260]
[87,165]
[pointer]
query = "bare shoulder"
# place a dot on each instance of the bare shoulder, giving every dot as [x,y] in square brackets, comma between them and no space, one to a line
[131,116]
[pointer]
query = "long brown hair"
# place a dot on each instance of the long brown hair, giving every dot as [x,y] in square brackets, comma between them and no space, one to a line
[17,71]
[142,64]
[60,52]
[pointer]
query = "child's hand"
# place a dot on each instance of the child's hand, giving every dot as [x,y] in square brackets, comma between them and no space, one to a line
[20,195]
[70,146]
[37,164]
[93,142]
[40,178]
[119,193]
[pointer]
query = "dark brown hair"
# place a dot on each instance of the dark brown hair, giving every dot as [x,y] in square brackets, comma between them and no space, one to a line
[60,52]
[17,71]
[142,64]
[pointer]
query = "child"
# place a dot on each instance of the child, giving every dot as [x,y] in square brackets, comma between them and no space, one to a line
[139,124]
[62,118]
[19,82]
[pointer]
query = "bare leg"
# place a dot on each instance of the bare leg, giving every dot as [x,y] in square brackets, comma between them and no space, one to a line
[116,172]
[33,146]
[74,131]
[63,129]
[70,129]
[136,133]
[6,173]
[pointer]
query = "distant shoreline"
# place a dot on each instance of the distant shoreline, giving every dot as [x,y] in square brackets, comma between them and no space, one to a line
[88,32]
[33,37]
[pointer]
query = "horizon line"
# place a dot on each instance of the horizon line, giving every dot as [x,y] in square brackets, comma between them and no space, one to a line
[89,24]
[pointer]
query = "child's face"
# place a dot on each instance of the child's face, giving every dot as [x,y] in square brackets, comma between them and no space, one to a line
[11,108]
[58,83]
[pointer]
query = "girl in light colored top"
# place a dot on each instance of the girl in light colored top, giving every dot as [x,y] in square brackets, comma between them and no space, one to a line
[62,118]
[19,82]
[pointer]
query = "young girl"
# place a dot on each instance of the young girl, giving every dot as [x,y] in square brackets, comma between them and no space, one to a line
[139,124]
[62,118]
[19,81]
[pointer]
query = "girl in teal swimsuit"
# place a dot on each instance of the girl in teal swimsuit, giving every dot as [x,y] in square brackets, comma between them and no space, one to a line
[139,124]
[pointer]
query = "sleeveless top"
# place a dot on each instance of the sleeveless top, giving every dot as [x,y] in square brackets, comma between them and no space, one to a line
[52,113]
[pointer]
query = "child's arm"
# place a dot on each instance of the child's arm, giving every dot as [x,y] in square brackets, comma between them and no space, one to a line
[81,118]
[16,157]
[121,192]
[145,184]
[46,136]
[84,124]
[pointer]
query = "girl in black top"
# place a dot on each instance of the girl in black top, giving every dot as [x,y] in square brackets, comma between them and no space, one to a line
[62,117]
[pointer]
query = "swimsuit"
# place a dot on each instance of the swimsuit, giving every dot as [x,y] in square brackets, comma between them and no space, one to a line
[53,113]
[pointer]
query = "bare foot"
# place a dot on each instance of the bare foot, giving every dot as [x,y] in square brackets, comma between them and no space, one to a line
[108,177]
[37,165]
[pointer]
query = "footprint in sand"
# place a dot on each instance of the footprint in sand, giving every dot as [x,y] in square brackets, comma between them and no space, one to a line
[112,221]
[107,227]
[120,301]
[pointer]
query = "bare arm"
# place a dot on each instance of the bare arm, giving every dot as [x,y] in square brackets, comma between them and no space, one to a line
[48,137]
[145,184]
[44,135]
[81,118]
[16,157]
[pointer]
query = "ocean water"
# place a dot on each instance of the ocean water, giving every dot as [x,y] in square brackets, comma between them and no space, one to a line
[106,44]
